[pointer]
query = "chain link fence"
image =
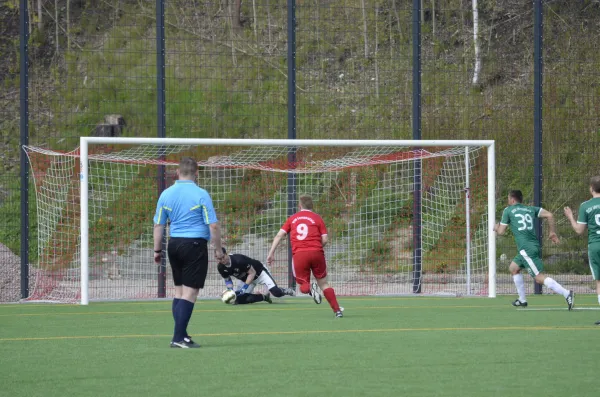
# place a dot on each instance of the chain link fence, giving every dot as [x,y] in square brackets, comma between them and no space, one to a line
[221,68]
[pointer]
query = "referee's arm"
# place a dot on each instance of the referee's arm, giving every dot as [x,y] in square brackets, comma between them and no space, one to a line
[158,241]
[160,221]
[215,236]
[158,237]
[210,218]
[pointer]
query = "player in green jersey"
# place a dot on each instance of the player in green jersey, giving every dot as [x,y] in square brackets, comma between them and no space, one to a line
[521,219]
[589,217]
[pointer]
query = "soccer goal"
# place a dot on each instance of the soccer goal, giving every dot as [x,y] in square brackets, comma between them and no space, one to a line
[403,217]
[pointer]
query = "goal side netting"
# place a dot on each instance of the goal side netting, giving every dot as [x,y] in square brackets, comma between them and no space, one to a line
[402,217]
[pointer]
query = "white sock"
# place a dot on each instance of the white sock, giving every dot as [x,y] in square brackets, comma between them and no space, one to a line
[599,299]
[556,287]
[518,279]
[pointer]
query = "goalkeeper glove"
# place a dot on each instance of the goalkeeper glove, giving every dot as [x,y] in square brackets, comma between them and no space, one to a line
[242,290]
[229,284]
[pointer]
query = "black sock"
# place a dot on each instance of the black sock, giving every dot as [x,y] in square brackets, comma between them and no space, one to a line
[183,313]
[253,298]
[175,302]
[245,299]
[242,299]
[173,306]
[277,292]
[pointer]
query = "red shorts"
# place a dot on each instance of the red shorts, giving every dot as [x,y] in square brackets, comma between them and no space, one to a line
[305,261]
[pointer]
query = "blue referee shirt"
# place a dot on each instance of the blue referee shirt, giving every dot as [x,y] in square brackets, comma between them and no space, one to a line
[188,207]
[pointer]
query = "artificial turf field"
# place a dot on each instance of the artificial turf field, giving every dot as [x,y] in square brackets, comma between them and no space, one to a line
[382,347]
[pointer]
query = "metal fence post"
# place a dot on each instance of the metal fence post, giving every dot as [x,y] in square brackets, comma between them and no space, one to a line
[161,124]
[416,130]
[538,70]
[24,140]
[291,108]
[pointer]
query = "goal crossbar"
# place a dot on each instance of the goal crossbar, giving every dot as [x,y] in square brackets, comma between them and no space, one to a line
[283,142]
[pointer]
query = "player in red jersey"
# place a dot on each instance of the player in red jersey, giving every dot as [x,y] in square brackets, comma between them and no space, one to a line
[308,236]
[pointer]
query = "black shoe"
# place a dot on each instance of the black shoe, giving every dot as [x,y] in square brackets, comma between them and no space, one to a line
[339,314]
[571,300]
[519,303]
[186,343]
[187,337]
[267,297]
[597,322]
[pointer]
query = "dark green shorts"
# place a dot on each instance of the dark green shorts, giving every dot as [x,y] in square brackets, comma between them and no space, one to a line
[529,258]
[594,259]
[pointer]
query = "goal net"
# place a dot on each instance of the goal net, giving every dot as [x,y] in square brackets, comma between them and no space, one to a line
[403,217]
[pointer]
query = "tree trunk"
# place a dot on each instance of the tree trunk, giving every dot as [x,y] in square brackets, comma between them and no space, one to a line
[230,7]
[255,20]
[376,49]
[236,21]
[477,68]
[364,13]
[29,11]
[317,23]
[116,13]
[391,38]
[398,25]
[56,27]
[433,17]
[269,22]
[463,35]
[68,24]
[39,11]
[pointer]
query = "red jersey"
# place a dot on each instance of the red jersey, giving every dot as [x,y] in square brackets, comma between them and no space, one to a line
[305,229]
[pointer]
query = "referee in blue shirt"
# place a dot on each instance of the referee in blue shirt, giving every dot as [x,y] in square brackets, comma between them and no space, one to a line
[193,223]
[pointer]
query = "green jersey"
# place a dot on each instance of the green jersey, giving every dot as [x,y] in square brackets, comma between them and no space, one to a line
[589,214]
[521,220]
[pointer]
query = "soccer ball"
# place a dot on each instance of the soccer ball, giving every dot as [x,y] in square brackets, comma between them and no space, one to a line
[228,296]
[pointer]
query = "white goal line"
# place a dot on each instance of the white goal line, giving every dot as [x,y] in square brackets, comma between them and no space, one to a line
[551,309]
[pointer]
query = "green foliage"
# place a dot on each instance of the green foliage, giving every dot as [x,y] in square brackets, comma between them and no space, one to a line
[12,4]
[379,254]
[10,232]
[264,222]
[124,221]
[251,205]
[573,266]
[113,72]
[441,268]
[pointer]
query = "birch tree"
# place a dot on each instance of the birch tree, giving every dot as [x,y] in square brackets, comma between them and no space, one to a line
[477,68]
[39,12]
[365,30]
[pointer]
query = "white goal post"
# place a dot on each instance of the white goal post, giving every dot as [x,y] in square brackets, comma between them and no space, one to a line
[491,183]
[403,216]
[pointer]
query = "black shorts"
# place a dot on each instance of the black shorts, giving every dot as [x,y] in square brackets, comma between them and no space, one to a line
[189,261]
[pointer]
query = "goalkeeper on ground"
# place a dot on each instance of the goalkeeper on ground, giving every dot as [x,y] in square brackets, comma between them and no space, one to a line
[250,273]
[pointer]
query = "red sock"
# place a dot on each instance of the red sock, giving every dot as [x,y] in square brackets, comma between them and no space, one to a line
[305,288]
[330,296]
